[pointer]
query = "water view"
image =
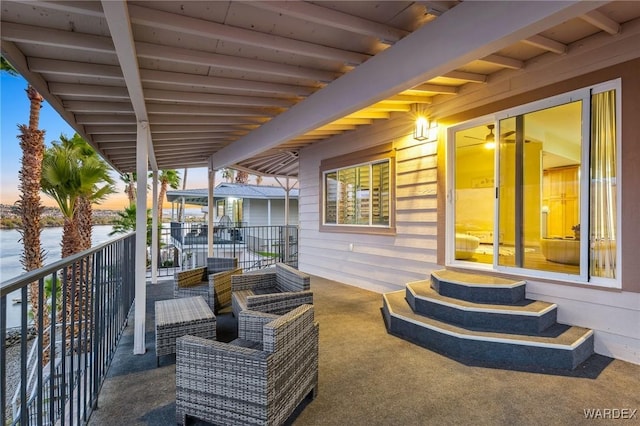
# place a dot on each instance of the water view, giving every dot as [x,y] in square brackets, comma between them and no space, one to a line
[11,250]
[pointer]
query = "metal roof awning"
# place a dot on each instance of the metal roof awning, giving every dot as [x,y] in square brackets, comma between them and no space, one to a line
[199,197]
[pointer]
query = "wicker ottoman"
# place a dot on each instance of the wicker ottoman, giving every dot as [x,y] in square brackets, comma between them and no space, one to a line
[179,317]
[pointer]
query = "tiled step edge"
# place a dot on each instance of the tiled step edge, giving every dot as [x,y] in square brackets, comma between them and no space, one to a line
[528,318]
[492,348]
[477,288]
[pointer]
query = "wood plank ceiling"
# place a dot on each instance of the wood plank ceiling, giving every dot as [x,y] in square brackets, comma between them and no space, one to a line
[206,74]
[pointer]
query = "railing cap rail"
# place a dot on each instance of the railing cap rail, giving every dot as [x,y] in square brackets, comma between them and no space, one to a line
[16,283]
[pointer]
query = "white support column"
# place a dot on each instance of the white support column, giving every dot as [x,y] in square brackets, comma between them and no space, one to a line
[285,235]
[210,202]
[139,346]
[154,230]
[287,249]
[269,212]
[286,203]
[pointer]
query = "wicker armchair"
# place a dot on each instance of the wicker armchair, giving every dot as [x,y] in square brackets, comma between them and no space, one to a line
[212,282]
[274,290]
[258,379]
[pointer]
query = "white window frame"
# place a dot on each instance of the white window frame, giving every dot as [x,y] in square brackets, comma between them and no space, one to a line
[582,278]
[370,164]
[373,155]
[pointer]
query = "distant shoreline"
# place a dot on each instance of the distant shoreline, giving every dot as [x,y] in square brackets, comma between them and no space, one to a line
[51,224]
[51,217]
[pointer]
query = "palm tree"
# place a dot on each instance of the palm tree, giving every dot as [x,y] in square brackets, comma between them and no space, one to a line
[84,210]
[126,222]
[129,180]
[68,176]
[32,145]
[167,178]
[227,174]
[242,177]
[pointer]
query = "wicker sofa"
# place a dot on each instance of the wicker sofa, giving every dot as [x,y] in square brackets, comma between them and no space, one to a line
[273,290]
[212,282]
[258,379]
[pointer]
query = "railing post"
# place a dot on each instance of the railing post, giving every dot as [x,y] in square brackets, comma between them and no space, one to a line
[98,324]
[3,358]
[40,322]
[24,411]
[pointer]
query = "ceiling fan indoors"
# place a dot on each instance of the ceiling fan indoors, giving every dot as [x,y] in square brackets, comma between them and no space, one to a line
[490,138]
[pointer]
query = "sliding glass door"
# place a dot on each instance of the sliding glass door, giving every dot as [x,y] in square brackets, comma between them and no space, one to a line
[534,188]
[474,191]
[539,203]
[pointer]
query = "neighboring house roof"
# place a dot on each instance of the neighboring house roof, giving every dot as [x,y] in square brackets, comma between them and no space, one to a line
[200,196]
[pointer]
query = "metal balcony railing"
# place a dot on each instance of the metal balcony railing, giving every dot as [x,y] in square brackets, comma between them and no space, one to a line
[87,297]
[184,245]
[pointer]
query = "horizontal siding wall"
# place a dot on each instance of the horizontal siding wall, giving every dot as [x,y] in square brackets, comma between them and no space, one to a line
[375,262]
[256,212]
[613,316]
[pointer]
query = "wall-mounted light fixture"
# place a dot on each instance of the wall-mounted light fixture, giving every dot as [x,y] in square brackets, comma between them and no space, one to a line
[425,128]
[421,129]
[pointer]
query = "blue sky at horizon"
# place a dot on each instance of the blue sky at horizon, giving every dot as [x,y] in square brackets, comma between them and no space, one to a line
[14,109]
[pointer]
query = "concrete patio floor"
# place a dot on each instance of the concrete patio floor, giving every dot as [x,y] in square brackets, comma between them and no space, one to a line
[368,377]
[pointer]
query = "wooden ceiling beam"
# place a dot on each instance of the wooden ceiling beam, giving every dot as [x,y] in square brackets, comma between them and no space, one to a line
[29,34]
[470,77]
[172,109]
[100,139]
[217,61]
[189,136]
[197,81]
[334,126]
[116,145]
[105,119]
[388,107]
[75,69]
[157,129]
[201,149]
[369,114]
[353,121]
[503,61]
[91,107]
[108,130]
[333,18]
[89,91]
[204,120]
[600,20]
[409,99]
[435,88]
[198,27]
[88,8]
[546,43]
[213,99]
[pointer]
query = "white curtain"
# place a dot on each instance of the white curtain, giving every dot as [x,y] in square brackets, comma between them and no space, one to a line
[603,185]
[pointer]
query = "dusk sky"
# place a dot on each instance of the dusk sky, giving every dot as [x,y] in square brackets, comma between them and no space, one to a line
[14,111]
